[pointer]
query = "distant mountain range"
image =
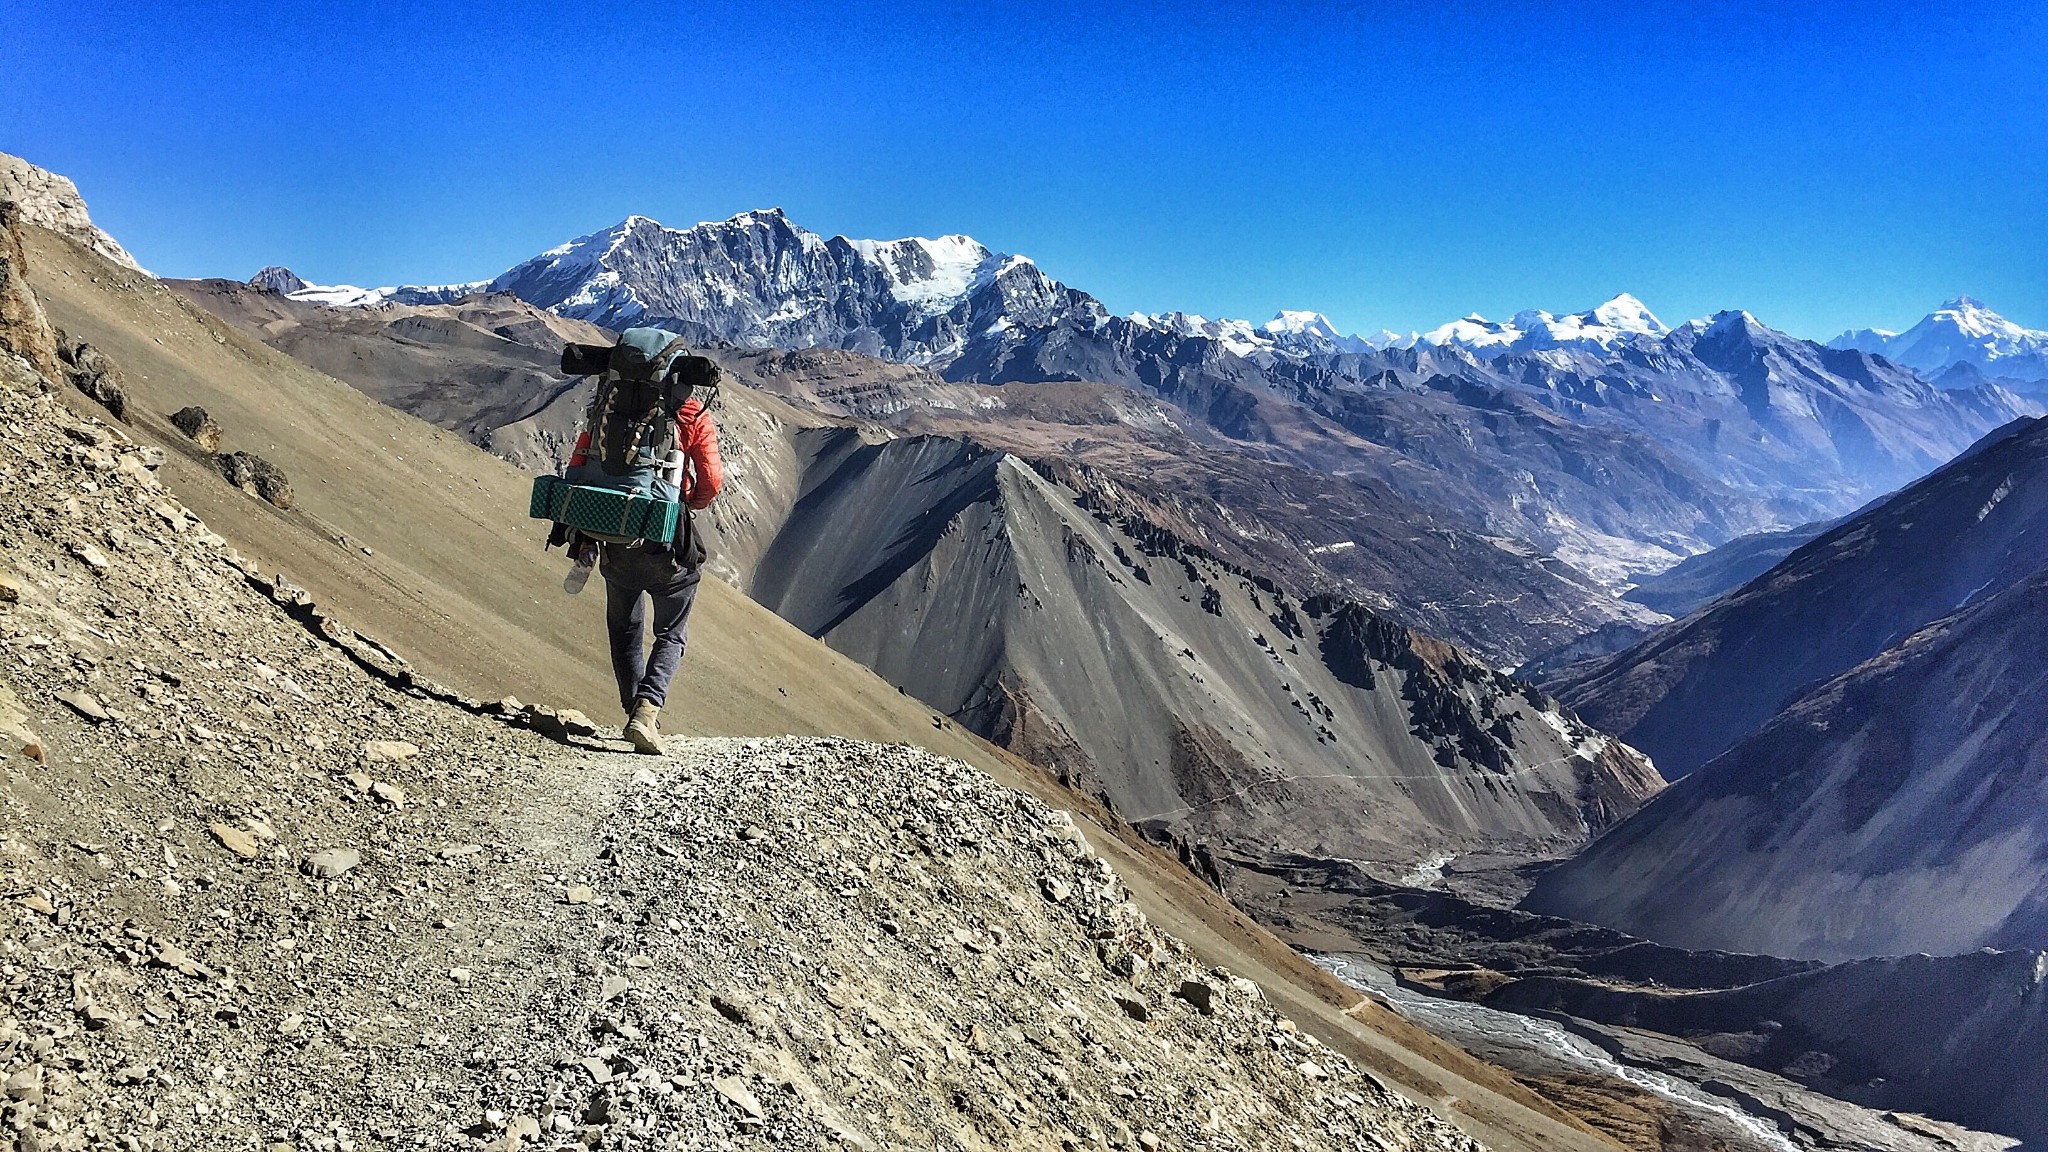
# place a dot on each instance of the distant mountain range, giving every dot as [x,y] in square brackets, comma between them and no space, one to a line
[904,298]
[1605,438]
[1960,332]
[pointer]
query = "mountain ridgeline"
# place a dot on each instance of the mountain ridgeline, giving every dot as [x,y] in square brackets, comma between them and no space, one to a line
[1604,438]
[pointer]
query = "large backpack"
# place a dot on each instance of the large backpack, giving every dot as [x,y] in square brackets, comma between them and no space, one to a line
[643,382]
[626,490]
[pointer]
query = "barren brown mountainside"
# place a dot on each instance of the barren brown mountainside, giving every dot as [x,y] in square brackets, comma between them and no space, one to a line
[1057,607]
[414,536]
[266,889]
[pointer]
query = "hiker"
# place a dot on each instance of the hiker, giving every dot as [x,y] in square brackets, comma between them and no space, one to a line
[642,577]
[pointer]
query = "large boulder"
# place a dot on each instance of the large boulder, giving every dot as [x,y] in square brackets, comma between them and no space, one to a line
[91,372]
[24,330]
[196,423]
[258,477]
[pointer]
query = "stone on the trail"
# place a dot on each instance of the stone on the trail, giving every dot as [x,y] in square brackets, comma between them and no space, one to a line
[614,987]
[600,1071]
[237,841]
[171,956]
[559,723]
[1200,994]
[389,751]
[742,1009]
[201,428]
[458,851]
[26,1085]
[10,589]
[86,705]
[360,781]
[460,975]
[735,1089]
[389,793]
[1135,1008]
[332,862]
[579,894]
[1056,889]
[92,557]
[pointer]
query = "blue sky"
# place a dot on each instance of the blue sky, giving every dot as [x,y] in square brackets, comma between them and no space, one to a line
[1390,165]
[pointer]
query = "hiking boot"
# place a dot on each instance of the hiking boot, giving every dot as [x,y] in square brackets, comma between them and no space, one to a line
[641,728]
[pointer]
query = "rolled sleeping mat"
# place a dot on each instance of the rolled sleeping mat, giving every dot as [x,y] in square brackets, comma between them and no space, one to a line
[605,513]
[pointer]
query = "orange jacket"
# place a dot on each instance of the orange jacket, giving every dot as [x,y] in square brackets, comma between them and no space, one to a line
[697,438]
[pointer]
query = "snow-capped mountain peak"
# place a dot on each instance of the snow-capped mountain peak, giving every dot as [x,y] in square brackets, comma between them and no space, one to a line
[932,275]
[1619,319]
[1962,330]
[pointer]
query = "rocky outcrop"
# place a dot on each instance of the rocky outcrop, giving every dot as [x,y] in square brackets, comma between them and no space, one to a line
[24,330]
[51,201]
[91,371]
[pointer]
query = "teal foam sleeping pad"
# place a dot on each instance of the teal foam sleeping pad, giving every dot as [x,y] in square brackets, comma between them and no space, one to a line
[604,511]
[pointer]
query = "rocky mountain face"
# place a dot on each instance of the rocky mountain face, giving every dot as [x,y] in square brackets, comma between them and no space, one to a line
[1960,332]
[24,329]
[1241,711]
[1955,539]
[1890,810]
[1601,437]
[51,201]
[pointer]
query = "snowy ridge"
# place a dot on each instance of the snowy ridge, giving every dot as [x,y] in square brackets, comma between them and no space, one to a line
[1622,318]
[932,275]
[1291,333]
[350,296]
[1961,331]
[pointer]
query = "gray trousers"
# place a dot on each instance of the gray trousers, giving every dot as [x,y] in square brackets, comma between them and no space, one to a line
[636,580]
